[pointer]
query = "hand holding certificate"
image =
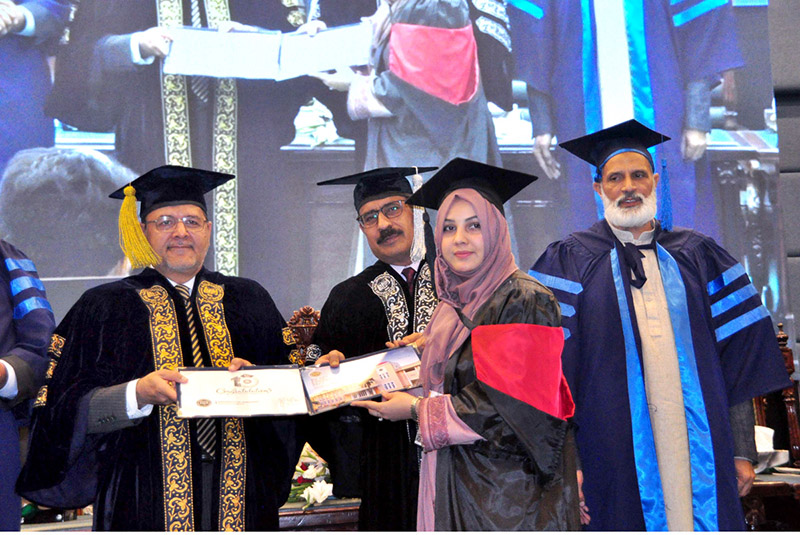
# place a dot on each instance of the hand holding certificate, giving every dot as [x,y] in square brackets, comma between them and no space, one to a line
[287,390]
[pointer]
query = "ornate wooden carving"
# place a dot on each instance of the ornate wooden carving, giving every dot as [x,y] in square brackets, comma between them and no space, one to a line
[301,327]
[790,399]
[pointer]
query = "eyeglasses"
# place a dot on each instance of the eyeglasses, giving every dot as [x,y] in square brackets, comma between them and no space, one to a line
[167,223]
[389,210]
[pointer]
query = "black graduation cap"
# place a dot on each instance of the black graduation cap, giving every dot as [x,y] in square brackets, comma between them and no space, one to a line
[169,185]
[377,183]
[598,147]
[496,184]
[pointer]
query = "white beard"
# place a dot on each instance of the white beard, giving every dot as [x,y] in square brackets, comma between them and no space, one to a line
[627,218]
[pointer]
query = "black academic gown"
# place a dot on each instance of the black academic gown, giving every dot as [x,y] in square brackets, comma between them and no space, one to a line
[423,125]
[522,476]
[375,460]
[106,340]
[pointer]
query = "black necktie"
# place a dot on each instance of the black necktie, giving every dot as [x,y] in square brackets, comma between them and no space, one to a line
[633,259]
[206,433]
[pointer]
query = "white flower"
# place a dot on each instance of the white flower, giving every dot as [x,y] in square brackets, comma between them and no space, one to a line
[318,492]
[313,471]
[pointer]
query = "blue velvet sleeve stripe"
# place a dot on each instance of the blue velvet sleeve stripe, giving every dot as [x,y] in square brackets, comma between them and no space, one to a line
[728,276]
[557,283]
[567,311]
[743,321]
[567,334]
[20,263]
[697,10]
[529,7]
[31,304]
[730,301]
[23,283]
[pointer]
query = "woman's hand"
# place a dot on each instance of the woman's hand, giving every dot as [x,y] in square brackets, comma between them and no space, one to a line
[414,339]
[395,406]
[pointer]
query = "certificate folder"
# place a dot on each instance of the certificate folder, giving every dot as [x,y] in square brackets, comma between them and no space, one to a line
[266,55]
[287,390]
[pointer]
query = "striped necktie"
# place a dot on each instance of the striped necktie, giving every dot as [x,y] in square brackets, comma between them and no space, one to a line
[200,85]
[206,432]
[409,274]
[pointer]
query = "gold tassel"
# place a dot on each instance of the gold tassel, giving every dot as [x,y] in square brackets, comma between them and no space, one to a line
[131,238]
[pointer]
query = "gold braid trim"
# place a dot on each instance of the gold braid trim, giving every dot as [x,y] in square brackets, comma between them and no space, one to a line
[234,450]
[54,350]
[224,156]
[176,452]
[174,98]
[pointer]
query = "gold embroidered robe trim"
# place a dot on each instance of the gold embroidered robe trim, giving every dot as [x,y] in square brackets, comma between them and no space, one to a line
[177,134]
[54,350]
[176,444]
[233,471]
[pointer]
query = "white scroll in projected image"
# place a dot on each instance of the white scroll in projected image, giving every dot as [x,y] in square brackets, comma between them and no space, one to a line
[266,55]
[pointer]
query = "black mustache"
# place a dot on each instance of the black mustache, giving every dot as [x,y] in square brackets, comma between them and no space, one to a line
[388,233]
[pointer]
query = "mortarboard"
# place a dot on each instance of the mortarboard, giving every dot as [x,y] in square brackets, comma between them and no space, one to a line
[167,185]
[377,183]
[385,182]
[496,184]
[597,148]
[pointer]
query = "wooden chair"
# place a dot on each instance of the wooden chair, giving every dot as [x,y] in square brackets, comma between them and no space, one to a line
[788,398]
[774,505]
[299,331]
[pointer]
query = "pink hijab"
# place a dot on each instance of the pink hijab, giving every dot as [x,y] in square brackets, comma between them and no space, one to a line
[467,291]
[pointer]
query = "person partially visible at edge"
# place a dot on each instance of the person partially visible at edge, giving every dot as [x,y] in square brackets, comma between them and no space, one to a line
[389,301]
[26,323]
[499,451]
[105,429]
[44,186]
[667,344]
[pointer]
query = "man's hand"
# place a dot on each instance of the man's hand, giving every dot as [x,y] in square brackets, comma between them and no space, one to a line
[158,388]
[238,363]
[338,80]
[541,150]
[333,358]
[585,518]
[395,406]
[154,42]
[414,339]
[11,18]
[3,376]
[227,26]
[312,27]
[745,475]
[693,144]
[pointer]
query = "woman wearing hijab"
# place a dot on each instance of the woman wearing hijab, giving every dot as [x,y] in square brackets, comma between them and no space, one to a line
[498,451]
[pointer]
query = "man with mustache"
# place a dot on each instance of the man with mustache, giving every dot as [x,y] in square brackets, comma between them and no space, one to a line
[667,342]
[105,428]
[391,299]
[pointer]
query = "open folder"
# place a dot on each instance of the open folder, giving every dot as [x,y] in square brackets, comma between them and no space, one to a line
[285,390]
[266,55]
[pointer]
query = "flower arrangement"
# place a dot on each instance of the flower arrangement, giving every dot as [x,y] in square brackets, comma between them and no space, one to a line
[311,480]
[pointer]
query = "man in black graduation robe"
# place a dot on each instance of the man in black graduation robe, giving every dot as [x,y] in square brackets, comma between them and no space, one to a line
[96,436]
[375,460]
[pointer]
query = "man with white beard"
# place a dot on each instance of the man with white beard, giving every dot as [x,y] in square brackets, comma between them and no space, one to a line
[667,342]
